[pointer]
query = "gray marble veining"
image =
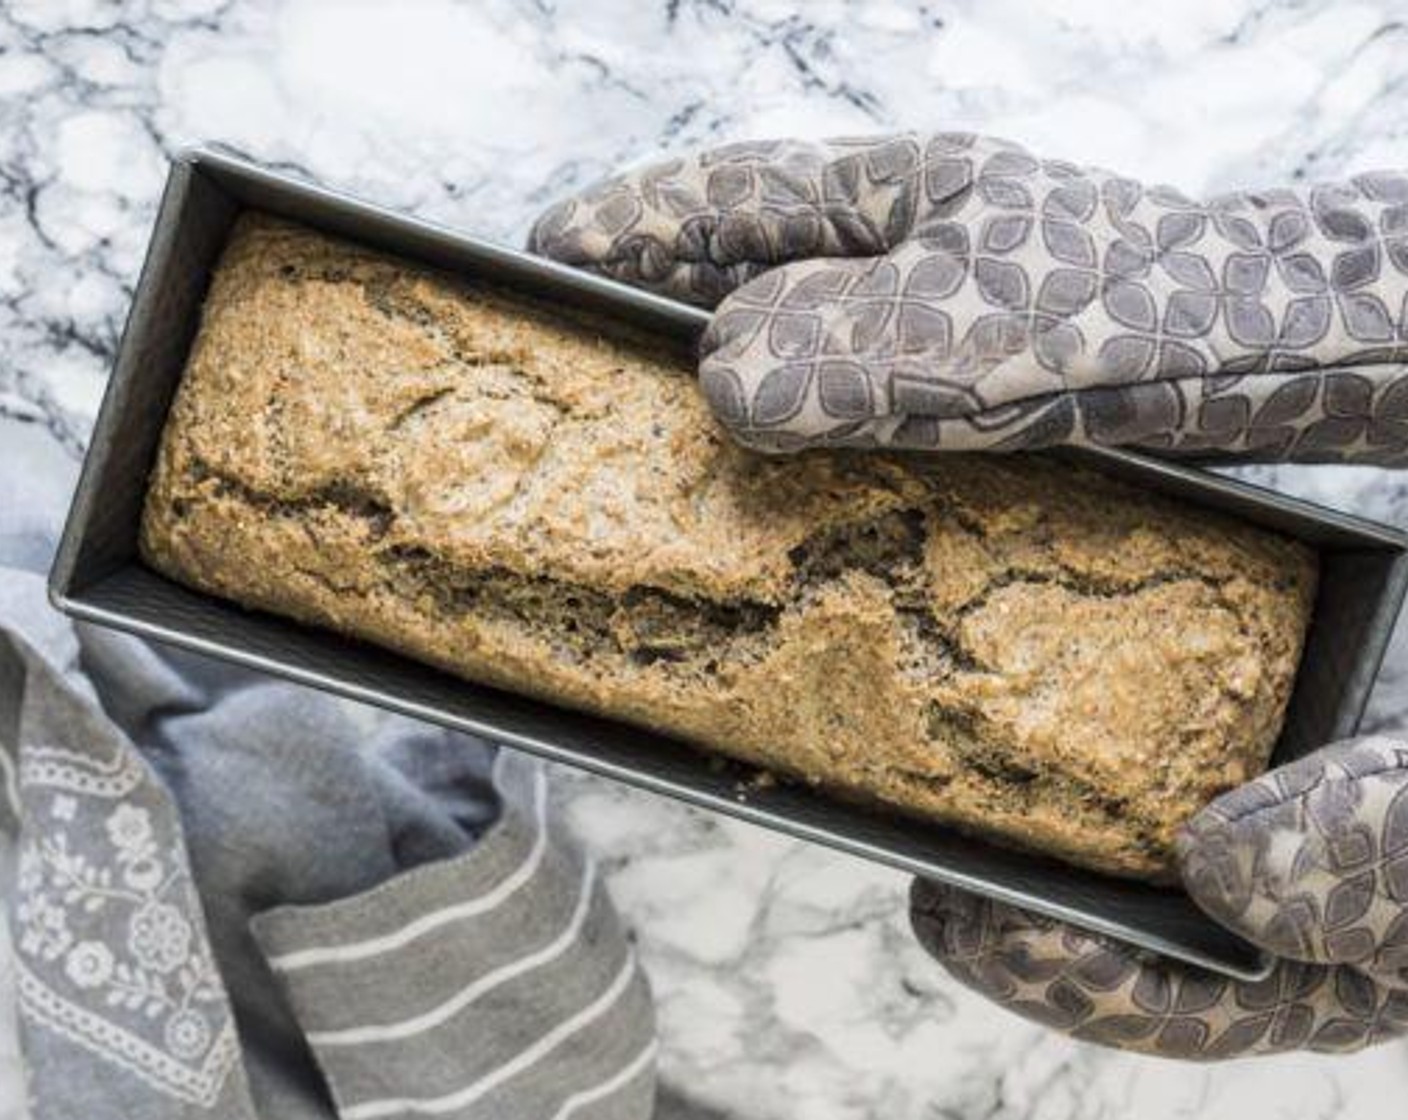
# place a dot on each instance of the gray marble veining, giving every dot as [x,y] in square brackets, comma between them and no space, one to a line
[787,981]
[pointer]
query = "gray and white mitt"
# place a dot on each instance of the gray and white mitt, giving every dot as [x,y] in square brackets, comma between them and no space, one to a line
[957,292]
[1309,861]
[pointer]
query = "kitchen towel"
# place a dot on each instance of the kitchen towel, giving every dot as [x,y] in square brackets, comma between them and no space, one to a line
[235,897]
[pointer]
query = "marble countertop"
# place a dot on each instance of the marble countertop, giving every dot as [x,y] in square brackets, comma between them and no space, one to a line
[788,984]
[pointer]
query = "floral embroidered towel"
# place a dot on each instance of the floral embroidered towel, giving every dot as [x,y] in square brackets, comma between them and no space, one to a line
[429,942]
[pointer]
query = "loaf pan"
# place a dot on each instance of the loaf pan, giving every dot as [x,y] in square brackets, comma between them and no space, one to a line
[98,576]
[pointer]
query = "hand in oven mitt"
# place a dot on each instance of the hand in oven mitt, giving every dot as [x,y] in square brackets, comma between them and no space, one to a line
[955,292]
[1310,862]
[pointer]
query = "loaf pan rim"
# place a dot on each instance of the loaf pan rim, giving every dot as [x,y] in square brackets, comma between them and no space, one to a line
[66,590]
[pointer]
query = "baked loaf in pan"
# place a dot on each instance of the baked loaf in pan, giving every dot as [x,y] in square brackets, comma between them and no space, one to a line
[1012,646]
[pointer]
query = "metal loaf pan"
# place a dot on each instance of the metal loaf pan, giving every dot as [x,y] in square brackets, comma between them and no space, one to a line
[99,577]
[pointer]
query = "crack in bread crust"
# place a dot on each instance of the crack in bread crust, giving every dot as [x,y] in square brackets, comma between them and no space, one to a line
[1049,659]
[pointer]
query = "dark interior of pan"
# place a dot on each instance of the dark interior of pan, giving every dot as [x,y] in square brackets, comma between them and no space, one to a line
[99,577]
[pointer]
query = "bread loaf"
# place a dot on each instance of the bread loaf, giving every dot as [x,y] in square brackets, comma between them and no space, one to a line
[1011,646]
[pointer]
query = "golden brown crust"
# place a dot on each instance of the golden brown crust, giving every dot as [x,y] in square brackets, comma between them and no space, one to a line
[1032,653]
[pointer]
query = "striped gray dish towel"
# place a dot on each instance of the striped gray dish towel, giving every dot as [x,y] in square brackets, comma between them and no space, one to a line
[495,985]
[237,898]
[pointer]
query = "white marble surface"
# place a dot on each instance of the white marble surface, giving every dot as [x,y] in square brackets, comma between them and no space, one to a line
[787,982]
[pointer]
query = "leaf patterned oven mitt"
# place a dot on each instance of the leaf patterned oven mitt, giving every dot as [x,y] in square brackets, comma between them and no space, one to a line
[957,292]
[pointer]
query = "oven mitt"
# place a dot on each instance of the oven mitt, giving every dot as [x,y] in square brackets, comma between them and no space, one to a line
[956,292]
[1310,862]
